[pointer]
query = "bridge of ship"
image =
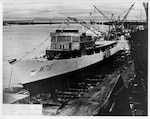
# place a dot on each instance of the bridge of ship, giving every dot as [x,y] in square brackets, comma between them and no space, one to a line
[72,44]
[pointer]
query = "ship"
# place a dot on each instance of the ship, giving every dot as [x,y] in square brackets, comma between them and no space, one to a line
[69,50]
[139,51]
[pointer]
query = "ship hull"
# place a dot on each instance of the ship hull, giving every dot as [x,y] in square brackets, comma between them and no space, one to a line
[35,73]
[33,70]
[70,80]
[139,51]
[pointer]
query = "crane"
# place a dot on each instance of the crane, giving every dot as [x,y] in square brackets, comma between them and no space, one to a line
[121,14]
[101,13]
[112,15]
[125,17]
[95,31]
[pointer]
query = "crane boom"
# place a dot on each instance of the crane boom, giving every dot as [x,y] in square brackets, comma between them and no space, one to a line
[124,18]
[112,15]
[101,12]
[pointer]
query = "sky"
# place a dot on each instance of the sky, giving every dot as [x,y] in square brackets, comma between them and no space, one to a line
[33,9]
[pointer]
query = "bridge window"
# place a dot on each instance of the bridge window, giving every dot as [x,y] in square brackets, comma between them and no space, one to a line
[75,39]
[53,39]
[52,45]
[63,38]
[89,38]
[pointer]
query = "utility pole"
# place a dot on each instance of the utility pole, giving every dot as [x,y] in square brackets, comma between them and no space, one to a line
[146,11]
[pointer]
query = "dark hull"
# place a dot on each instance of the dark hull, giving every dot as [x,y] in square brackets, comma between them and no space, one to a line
[139,51]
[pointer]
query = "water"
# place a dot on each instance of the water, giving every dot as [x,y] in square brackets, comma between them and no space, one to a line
[18,40]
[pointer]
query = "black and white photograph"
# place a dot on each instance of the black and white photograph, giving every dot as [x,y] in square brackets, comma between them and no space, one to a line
[75,58]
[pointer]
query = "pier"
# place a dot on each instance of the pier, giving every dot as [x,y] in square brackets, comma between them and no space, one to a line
[65,21]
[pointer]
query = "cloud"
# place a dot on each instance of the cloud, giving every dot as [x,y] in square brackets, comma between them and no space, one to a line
[30,9]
